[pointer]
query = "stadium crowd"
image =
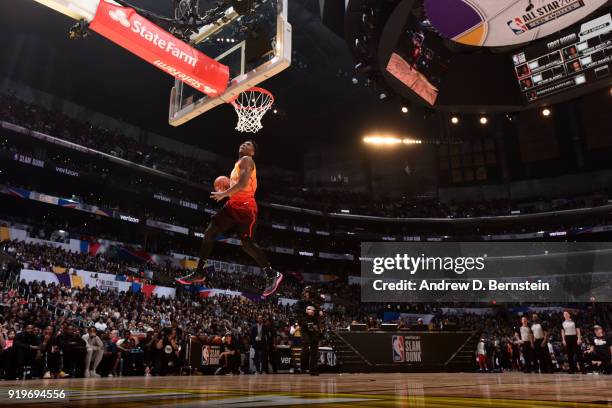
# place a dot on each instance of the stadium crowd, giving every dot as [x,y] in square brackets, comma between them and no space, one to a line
[199,171]
[47,258]
[53,331]
[57,331]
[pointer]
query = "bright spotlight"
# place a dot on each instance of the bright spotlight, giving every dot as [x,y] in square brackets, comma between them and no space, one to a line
[389,140]
[546,112]
[454,120]
[483,120]
[404,109]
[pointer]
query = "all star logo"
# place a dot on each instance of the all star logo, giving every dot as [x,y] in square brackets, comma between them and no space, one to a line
[120,17]
[548,11]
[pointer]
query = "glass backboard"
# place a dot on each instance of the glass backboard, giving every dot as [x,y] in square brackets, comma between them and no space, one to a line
[253,40]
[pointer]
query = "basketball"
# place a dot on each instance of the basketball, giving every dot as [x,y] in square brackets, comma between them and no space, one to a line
[222,183]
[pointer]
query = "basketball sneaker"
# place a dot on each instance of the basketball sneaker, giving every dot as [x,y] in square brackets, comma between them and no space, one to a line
[273,280]
[194,277]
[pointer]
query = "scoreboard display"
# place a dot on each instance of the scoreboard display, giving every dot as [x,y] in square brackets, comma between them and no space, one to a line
[581,55]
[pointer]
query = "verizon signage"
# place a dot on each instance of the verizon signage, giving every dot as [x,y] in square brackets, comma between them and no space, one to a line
[125,27]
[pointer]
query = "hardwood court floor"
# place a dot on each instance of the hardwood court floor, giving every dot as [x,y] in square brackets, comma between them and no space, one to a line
[327,390]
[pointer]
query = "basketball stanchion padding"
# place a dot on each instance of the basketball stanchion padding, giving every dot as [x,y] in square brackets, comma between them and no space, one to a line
[251,105]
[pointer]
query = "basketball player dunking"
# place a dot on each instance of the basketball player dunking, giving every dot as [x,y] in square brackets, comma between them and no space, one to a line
[240,211]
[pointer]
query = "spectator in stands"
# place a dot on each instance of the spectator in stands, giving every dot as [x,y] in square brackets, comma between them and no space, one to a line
[95,352]
[245,354]
[124,344]
[372,323]
[166,355]
[27,345]
[74,351]
[229,359]
[600,352]
[110,357]
[270,344]
[100,325]
[50,352]
[149,350]
[7,353]
[259,335]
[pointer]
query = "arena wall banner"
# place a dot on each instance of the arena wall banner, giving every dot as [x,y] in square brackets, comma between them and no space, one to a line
[125,27]
[287,301]
[486,272]
[102,281]
[167,227]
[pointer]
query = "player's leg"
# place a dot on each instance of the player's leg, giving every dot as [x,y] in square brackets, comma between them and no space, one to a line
[248,219]
[222,221]
[273,278]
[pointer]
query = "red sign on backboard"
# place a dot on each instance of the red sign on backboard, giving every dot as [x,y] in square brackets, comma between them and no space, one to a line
[125,27]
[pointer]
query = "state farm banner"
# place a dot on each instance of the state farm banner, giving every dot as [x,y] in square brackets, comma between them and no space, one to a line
[125,27]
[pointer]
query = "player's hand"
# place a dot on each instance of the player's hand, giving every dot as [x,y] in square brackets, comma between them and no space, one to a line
[218,195]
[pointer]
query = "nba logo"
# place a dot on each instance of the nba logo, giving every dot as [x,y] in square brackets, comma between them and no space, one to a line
[205,355]
[398,349]
[517,26]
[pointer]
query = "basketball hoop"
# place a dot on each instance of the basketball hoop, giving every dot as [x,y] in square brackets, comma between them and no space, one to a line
[251,105]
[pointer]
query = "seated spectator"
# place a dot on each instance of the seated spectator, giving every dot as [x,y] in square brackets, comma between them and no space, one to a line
[50,352]
[600,353]
[229,359]
[371,323]
[7,354]
[27,345]
[74,351]
[95,352]
[149,350]
[110,357]
[100,325]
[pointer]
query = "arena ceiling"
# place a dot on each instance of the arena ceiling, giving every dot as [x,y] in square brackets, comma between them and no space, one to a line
[317,97]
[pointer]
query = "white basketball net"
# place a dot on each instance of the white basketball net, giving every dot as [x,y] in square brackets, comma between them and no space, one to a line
[251,105]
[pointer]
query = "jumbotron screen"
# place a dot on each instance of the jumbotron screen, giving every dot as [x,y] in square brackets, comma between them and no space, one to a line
[581,55]
[419,60]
